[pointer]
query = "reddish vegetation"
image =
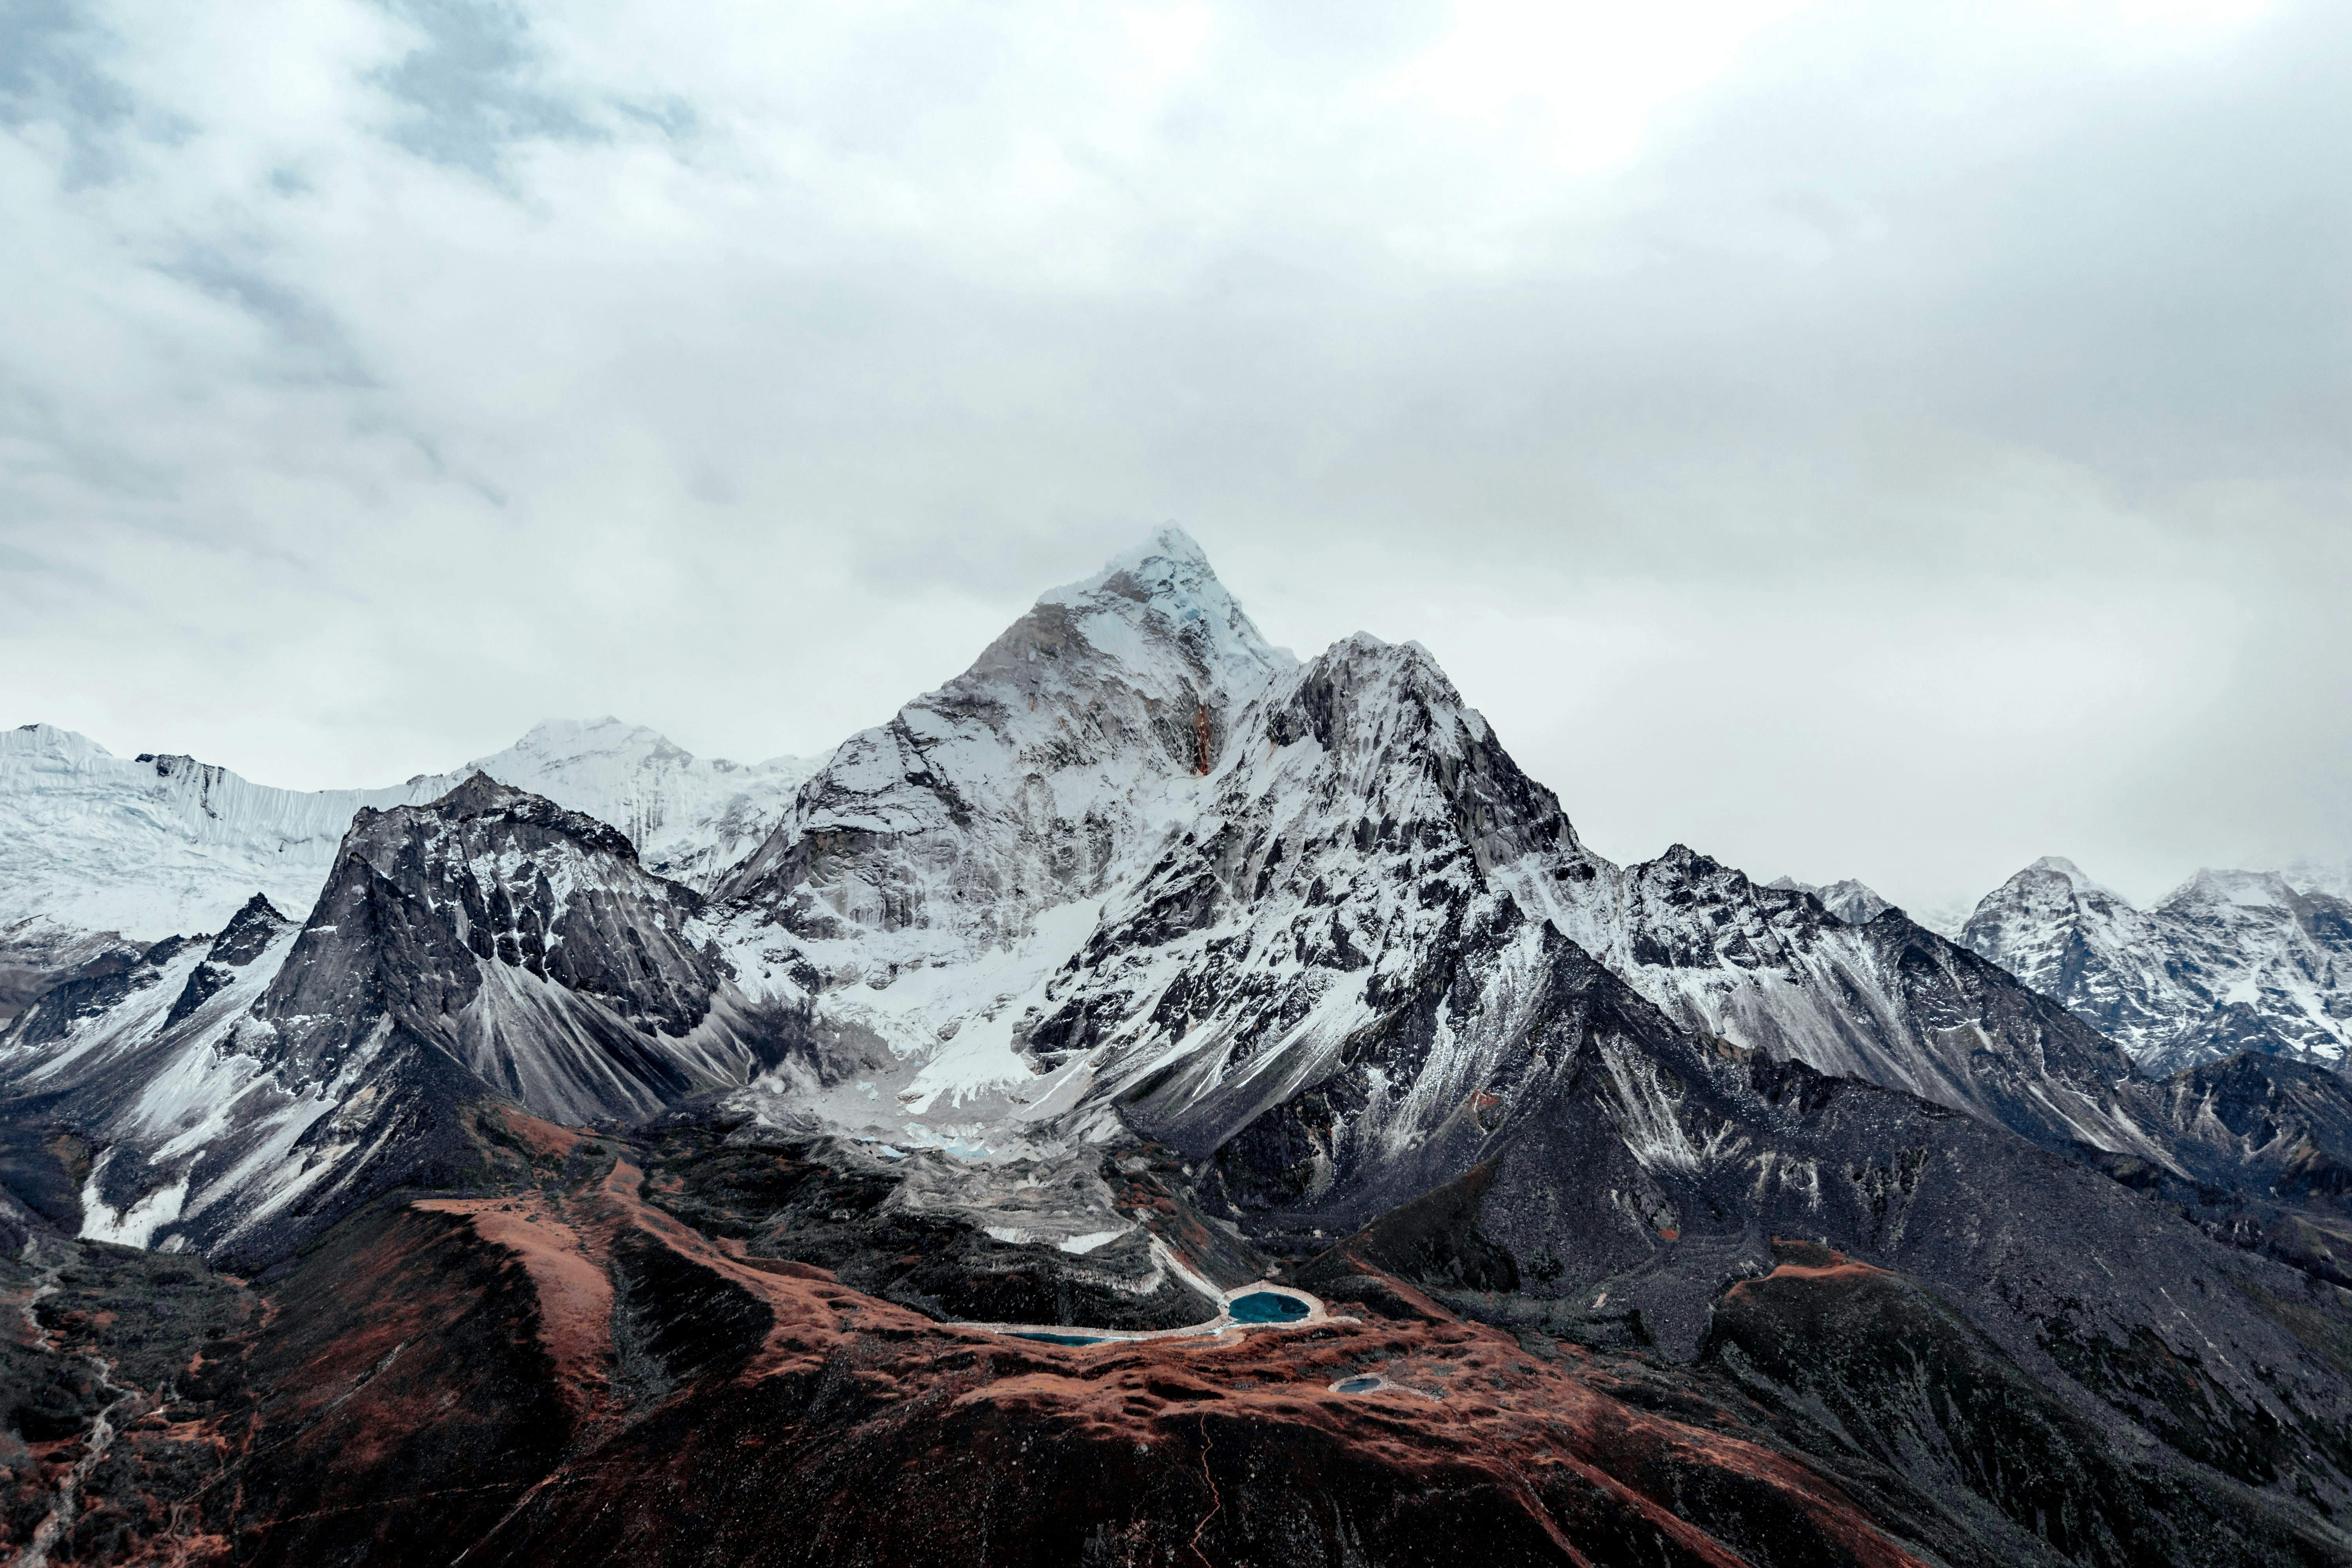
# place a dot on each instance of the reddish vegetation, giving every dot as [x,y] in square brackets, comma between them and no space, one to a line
[573,1289]
[546,1138]
[856,1430]
[573,1375]
[1804,1260]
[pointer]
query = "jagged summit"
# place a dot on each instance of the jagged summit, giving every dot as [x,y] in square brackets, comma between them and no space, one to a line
[1159,612]
[1021,785]
[2076,881]
[1170,574]
[2230,960]
[1853,902]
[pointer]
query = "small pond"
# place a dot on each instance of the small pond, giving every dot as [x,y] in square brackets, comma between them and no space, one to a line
[1361,1384]
[1266,1307]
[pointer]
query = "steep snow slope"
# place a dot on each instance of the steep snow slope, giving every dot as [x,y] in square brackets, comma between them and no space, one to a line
[159,846]
[1133,857]
[1856,903]
[156,845]
[691,819]
[2231,961]
[1024,783]
[490,944]
[1888,1002]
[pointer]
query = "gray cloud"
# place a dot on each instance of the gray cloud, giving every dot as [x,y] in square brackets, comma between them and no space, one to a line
[1883,442]
[467,92]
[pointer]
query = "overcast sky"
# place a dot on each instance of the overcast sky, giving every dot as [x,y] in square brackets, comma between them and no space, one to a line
[1859,439]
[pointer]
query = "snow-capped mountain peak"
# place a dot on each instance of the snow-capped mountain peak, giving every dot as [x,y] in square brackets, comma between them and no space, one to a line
[1852,901]
[2081,885]
[691,819]
[2229,961]
[1168,586]
[1018,786]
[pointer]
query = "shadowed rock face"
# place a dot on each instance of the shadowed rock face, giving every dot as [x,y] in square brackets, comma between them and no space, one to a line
[1687,1220]
[1855,1359]
[1627,1174]
[1025,782]
[38,954]
[435,916]
[1333,968]
[244,1094]
[1886,1000]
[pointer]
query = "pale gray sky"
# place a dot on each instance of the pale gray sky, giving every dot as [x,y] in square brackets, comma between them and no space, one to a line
[1852,439]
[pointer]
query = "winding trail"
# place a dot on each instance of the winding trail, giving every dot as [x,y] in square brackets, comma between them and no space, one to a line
[1216,1499]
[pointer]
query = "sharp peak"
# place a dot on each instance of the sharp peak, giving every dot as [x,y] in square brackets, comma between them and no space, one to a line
[1167,582]
[1366,645]
[2229,882]
[1169,559]
[477,789]
[259,907]
[2076,877]
[1401,664]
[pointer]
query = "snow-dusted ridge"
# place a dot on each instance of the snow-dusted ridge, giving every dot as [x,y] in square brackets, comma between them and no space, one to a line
[2230,960]
[1135,868]
[153,847]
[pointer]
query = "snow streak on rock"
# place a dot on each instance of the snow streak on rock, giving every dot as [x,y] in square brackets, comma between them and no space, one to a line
[247,1090]
[2232,960]
[159,846]
[1135,868]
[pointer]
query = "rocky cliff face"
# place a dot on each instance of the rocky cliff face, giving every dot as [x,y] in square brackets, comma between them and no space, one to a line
[246,1089]
[1351,862]
[1136,963]
[1886,1001]
[1027,782]
[2232,960]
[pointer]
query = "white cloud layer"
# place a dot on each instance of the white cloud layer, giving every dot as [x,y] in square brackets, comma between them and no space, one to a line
[1854,439]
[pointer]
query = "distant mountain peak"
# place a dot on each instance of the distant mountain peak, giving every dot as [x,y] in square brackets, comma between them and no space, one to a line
[2231,959]
[2253,890]
[2058,865]
[1855,902]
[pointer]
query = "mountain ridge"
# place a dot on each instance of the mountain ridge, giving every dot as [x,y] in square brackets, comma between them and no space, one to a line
[1140,966]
